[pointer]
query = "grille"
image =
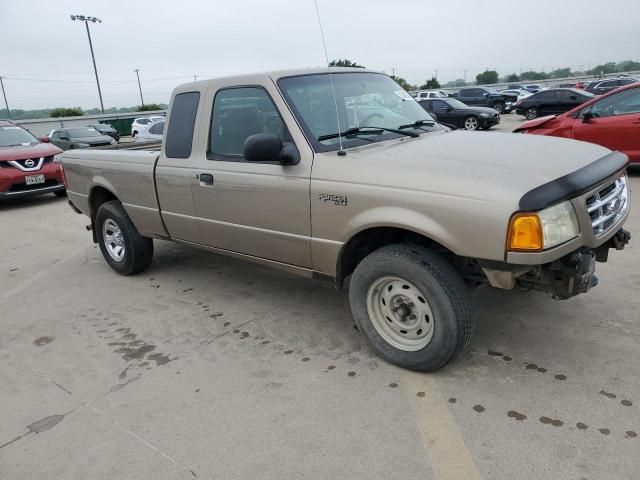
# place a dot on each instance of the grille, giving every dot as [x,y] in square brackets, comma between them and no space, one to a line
[608,205]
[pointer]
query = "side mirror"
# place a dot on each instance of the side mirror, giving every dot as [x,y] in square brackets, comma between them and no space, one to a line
[267,147]
[448,109]
[587,116]
[44,139]
[486,95]
[63,137]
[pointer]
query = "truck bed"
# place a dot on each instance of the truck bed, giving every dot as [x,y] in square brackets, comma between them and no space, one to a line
[151,146]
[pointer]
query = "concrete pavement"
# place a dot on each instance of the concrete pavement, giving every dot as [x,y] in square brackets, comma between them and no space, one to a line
[208,367]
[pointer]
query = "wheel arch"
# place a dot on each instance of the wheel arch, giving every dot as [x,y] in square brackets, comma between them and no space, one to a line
[373,238]
[98,195]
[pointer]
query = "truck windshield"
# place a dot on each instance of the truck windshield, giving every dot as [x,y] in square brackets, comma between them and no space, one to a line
[362,100]
[14,136]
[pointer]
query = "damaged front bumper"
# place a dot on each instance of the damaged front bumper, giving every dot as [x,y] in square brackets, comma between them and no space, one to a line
[563,278]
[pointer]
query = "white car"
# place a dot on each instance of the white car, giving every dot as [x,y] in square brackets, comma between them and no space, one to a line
[427,94]
[154,132]
[144,123]
[520,93]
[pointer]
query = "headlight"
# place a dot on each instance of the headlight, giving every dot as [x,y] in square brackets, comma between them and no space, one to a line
[57,158]
[484,114]
[82,145]
[532,232]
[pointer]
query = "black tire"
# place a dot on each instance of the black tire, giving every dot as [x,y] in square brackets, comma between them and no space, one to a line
[446,294]
[60,193]
[138,249]
[499,107]
[471,123]
[531,113]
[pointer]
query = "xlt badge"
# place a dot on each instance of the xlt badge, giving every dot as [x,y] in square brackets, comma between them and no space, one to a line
[336,199]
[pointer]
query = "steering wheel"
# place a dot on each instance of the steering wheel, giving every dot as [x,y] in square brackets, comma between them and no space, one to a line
[371,116]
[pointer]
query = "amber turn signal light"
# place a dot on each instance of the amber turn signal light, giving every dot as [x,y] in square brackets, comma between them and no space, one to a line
[525,233]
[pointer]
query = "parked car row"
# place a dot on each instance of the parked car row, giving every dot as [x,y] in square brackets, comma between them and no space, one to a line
[453,112]
[611,120]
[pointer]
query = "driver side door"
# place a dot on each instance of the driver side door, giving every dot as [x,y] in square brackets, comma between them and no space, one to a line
[260,209]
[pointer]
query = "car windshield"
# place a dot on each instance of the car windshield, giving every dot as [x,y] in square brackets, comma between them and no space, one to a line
[361,100]
[83,132]
[13,136]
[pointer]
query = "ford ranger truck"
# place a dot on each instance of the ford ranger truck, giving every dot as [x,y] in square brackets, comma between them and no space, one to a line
[342,176]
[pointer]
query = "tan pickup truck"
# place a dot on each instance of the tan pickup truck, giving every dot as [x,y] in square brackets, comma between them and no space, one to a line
[341,175]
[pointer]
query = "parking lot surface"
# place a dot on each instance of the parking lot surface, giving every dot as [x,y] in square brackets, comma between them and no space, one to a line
[208,367]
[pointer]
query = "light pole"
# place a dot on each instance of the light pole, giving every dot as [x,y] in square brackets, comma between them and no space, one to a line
[139,86]
[86,21]
[5,99]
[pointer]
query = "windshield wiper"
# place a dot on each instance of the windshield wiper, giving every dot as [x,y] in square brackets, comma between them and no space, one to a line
[370,130]
[418,124]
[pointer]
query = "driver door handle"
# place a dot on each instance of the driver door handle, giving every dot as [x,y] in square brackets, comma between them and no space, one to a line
[206,179]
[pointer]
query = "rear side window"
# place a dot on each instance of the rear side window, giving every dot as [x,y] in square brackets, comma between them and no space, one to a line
[181,122]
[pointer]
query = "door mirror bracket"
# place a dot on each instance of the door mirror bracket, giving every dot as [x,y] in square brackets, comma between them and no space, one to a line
[587,116]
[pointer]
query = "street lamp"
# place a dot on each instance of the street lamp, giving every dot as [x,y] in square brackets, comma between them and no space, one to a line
[86,21]
[139,86]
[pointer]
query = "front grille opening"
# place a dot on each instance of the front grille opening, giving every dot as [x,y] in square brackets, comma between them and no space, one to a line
[607,206]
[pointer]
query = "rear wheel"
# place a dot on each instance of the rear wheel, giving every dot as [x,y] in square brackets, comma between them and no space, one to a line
[471,123]
[412,305]
[122,246]
[531,113]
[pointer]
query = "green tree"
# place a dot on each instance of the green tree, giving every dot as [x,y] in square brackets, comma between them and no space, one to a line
[66,112]
[345,63]
[531,75]
[511,78]
[430,84]
[459,82]
[403,83]
[487,77]
[561,72]
[609,67]
[149,107]
[628,66]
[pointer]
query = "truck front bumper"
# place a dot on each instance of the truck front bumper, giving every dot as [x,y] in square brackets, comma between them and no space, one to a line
[562,278]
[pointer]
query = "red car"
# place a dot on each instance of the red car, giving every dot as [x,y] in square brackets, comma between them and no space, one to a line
[611,120]
[27,165]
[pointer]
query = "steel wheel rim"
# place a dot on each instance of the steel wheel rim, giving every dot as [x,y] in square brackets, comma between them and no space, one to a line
[113,240]
[400,313]
[471,124]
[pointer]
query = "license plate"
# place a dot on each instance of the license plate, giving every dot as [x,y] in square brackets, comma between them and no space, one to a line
[34,179]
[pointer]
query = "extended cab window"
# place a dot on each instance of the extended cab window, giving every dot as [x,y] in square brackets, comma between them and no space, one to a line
[237,114]
[181,122]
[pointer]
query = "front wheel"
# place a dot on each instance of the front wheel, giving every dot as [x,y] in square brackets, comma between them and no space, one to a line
[531,113]
[122,246]
[471,123]
[412,305]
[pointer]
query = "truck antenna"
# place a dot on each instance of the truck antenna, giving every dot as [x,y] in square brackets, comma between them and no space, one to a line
[341,152]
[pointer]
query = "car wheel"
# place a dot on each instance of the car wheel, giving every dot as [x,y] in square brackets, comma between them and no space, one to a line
[531,113]
[471,123]
[412,305]
[499,107]
[60,193]
[134,134]
[122,246]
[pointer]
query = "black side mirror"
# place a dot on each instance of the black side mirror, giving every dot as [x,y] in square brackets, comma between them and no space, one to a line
[587,116]
[267,147]
[63,137]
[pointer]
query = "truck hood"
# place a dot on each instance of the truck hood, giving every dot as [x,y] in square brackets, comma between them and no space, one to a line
[488,167]
[22,152]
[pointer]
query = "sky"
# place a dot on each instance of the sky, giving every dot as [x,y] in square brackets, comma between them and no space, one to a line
[45,59]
